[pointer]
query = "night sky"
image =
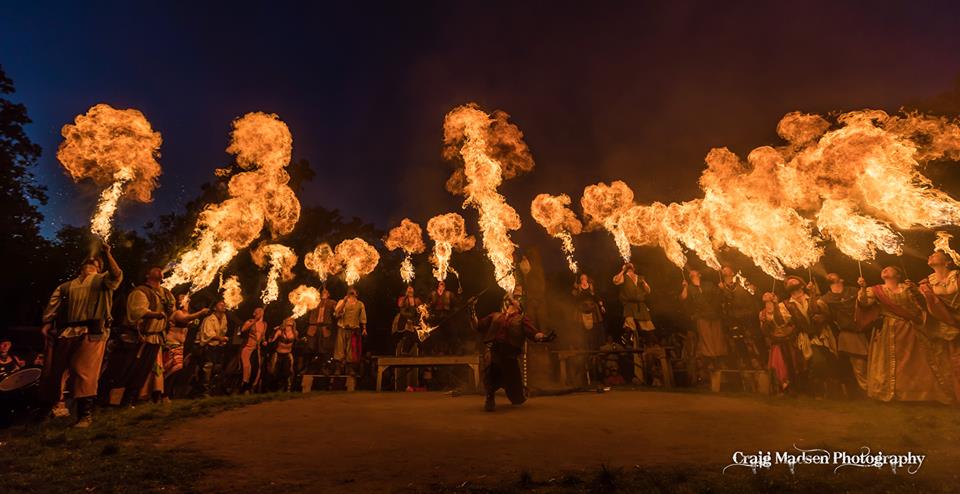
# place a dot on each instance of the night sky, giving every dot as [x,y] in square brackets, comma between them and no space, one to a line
[602,90]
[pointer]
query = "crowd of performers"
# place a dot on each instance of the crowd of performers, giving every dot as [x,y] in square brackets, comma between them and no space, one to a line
[896,340]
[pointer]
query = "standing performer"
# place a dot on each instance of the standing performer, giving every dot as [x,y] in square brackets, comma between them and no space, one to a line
[784,359]
[942,297]
[588,312]
[902,364]
[255,329]
[636,315]
[352,324]
[441,304]
[503,334]
[149,306]
[852,340]
[281,362]
[321,333]
[174,343]
[740,319]
[811,318]
[704,306]
[211,341]
[78,318]
[404,331]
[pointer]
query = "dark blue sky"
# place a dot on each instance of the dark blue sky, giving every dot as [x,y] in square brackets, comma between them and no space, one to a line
[602,90]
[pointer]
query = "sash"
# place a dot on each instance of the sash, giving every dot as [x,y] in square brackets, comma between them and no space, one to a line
[881,295]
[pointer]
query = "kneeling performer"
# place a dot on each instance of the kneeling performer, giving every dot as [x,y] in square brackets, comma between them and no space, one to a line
[503,334]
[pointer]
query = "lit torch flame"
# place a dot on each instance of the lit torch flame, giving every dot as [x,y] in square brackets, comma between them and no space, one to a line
[605,205]
[280,260]
[942,244]
[553,214]
[409,238]
[322,261]
[358,259]
[232,293]
[448,233]
[259,197]
[304,298]
[113,148]
[491,149]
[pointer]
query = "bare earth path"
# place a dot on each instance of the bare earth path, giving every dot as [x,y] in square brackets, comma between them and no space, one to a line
[366,442]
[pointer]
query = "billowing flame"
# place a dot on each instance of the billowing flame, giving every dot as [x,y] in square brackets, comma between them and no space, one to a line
[322,261]
[604,205]
[858,237]
[280,260]
[448,233]
[304,298]
[942,243]
[232,293]
[259,197]
[553,214]
[492,149]
[114,148]
[853,183]
[358,259]
[408,237]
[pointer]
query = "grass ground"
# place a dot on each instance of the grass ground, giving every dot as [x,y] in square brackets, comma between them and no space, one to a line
[122,451]
[117,454]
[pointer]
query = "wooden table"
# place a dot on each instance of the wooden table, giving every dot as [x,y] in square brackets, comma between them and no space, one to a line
[565,355]
[386,361]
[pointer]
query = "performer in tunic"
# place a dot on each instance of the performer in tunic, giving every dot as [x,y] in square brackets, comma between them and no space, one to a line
[740,320]
[784,360]
[441,303]
[352,325]
[149,307]
[174,344]
[321,332]
[811,318]
[902,364]
[404,331]
[704,306]
[254,330]
[588,311]
[637,326]
[942,298]
[852,340]
[211,342]
[78,319]
[503,334]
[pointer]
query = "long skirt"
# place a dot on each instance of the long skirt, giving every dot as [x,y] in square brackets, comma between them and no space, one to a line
[711,341]
[903,365]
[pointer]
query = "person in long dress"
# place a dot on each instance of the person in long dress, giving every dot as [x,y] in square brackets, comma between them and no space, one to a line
[942,297]
[902,364]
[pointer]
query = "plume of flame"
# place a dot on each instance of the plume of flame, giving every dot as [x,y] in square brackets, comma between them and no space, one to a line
[259,198]
[358,259]
[280,260]
[303,298]
[322,261]
[854,183]
[604,205]
[448,233]
[232,293]
[491,149]
[409,238]
[858,237]
[554,215]
[942,243]
[116,149]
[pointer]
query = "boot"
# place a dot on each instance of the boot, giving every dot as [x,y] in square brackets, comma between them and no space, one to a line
[489,404]
[84,413]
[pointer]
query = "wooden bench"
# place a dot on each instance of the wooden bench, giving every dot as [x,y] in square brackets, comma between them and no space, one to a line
[661,355]
[384,362]
[350,382]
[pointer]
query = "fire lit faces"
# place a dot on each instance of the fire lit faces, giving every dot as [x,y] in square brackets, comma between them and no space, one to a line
[937,259]
[891,273]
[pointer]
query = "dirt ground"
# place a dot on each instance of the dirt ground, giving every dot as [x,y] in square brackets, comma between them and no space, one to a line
[367,442]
